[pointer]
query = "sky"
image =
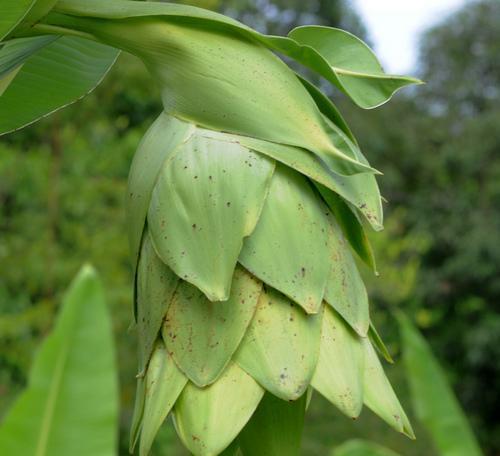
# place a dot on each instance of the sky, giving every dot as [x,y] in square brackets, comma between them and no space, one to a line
[394,27]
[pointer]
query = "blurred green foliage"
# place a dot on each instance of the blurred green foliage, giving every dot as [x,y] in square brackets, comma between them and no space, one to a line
[62,187]
[72,384]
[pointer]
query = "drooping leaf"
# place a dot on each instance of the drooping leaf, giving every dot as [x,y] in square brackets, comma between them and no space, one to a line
[162,139]
[434,402]
[208,197]
[363,187]
[71,403]
[39,9]
[164,383]
[379,395]
[208,419]
[281,346]
[350,224]
[338,56]
[358,447]
[156,284]
[345,290]
[57,75]
[279,109]
[339,372]
[288,249]
[202,335]
[355,69]
[327,108]
[275,428]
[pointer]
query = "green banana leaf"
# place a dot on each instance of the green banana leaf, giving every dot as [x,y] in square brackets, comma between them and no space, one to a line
[275,428]
[356,72]
[59,74]
[358,447]
[15,52]
[434,402]
[70,406]
[12,13]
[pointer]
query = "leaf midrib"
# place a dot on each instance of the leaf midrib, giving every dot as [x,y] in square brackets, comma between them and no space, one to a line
[45,428]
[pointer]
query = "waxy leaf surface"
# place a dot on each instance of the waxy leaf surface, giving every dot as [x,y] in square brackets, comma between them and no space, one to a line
[56,76]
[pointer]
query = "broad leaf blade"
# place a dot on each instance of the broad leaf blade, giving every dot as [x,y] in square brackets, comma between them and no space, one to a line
[434,401]
[339,372]
[15,52]
[208,419]
[280,348]
[318,48]
[275,428]
[12,13]
[71,403]
[202,335]
[57,75]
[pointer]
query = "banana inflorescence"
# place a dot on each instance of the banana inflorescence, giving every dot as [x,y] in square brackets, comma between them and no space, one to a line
[247,202]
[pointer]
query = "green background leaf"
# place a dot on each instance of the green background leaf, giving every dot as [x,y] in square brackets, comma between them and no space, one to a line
[71,404]
[59,74]
[433,400]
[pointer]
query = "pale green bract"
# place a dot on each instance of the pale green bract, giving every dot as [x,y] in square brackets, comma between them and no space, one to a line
[246,200]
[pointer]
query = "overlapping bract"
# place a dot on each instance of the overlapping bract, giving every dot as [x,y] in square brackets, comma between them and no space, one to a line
[292,312]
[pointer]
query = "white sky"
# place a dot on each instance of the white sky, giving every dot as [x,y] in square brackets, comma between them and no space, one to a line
[394,27]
